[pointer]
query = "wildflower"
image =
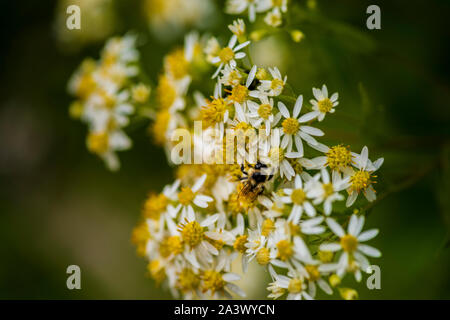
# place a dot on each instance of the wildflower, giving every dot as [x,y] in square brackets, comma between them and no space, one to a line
[323,105]
[350,244]
[275,86]
[238,28]
[293,130]
[363,178]
[229,55]
[190,196]
[298,197]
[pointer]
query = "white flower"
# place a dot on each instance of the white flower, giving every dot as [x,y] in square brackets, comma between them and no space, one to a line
[327,191]
[229,55]
[295,285]
[362,179]
[275,86]
[277,157]
[240,94]
[239,6]
[293,130]
[298,197]
[238,27]
[322,105]
[263,113]
[264,5]
[273,18]
[190,196]
[350,244]
[230,76]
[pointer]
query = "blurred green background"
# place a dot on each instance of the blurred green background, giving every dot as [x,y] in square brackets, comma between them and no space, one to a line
[60,206]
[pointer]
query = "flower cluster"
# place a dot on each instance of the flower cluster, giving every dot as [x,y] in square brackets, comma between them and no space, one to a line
[279,209]
[273,9]
[107,97]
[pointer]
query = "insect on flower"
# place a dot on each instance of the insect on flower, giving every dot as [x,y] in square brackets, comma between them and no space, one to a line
[254,180]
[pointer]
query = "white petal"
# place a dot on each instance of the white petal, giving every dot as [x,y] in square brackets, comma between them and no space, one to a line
[284,111]
[369,251]
[298,106]
[335,227]
[368,235]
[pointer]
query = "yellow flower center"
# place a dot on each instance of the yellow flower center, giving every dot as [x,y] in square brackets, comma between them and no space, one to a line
[159,127]
[156,271]
[239,94]
[265,110]
[212,280]
[242,126]
[295,285]
[98,142]
[139,238]
[277,85]
[214,112]
[263,256]
[154,205]
[226,55]
[325,105]
[192,233]
[326,256]
[338,157]
[171,245]
[239,243]
[298,196]
[140,93]
[328,189]
[285,250]
[76,109]
[165,92]
[176,64]
[267,227]
[360,180]
[290,126]
[185,196]
[349,243]
[313,272]
[276,155]
[187,280]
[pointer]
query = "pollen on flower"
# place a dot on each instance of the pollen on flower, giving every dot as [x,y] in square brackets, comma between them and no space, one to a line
[339,157]
[159,127]
[360,180]
[328,189]
[298,196]
[140,93]
[214,112]
[226,55]
[187,280]
[325,105]
[239,243]
[313,272]
[192,233]
[165,92]
[139,238]
[171,245]
[267,227]
[186,195]
[156,271]
[290,126]
[295,285]
[285,250]
[98,142]
[349,243]
[238,94]
[326,256]
[277,85]
[154,206]
[265,110]
[176,64]
[212,280]
[263,256]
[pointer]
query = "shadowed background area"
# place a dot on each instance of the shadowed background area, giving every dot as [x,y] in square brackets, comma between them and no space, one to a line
[60,206]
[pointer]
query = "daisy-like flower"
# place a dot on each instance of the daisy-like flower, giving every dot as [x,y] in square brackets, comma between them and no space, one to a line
[198,250]
[256,247]
[218,284]
[363,178]
[105,145]
[240,94]
[238,27]
[263,113]
[274,18]
[314,278]
[286,249]
[294,131]
[239,6]
[277,157]
[323,105]
[327,191]
[294,285]
[338,158]
[275,86]
[230,76]
[240,241]
[229,55]
[190,196]
[299,198]
[350,244]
